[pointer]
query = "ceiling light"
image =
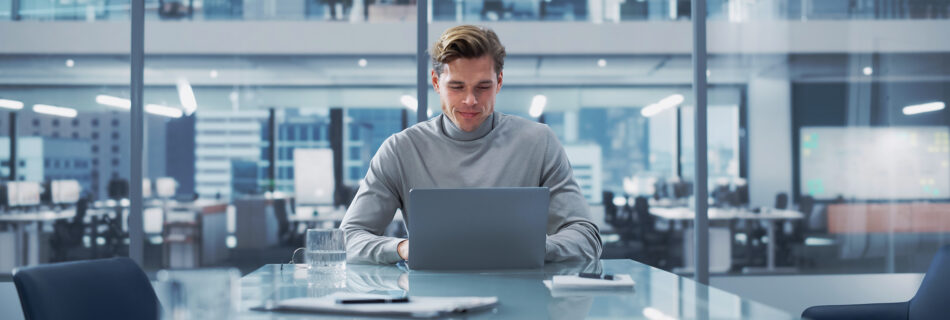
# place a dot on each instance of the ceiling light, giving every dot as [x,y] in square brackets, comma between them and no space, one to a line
[114,102]
[70,63]
[601,63]
[666,103]
[362,62]
[187,96]
[163,110]
[54,110]
[868,71]
[214,74]
[926,107]
[537,105]
[11,104]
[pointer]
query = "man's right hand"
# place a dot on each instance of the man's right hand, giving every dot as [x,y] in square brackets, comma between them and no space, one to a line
[403,250]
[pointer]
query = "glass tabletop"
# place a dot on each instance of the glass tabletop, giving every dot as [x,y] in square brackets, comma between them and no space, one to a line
[657,294]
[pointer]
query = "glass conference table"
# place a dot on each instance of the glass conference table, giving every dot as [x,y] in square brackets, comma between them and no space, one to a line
[521,294]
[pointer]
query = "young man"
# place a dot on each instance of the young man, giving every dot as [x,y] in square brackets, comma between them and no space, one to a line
[469,145]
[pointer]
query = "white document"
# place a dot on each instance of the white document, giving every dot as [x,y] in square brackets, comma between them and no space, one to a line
[620,281]
[425,307]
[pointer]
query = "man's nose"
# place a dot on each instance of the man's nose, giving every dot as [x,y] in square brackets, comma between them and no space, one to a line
[470,99]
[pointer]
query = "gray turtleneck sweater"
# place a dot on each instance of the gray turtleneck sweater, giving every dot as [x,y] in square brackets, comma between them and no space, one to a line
[505,151]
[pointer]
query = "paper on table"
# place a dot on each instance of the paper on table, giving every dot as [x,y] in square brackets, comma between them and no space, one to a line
[416,307]
[621,281]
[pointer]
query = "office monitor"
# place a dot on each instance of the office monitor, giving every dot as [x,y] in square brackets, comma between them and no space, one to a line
[313,176]
[23,193]
[65,191]
[165,187]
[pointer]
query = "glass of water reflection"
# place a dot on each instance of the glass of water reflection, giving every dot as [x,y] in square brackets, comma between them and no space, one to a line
[326,251]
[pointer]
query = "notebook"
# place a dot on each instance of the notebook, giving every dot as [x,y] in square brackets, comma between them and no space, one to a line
[417,307]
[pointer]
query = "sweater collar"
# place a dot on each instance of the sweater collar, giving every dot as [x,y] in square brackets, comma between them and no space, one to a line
[455,133]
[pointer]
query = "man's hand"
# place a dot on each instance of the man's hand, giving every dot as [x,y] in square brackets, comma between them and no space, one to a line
[403,249]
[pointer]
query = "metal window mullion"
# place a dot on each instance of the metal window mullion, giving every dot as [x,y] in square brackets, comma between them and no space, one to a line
[136,228]
[422,30]
[701,220]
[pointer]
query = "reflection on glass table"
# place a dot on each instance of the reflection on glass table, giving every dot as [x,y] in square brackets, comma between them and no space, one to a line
[521,293]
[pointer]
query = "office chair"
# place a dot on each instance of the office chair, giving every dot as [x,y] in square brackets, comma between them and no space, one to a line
[619,218]
[68,234]
[790,244]
[286,231]
[94,289]
[655,242]
[781,201]
[930,301]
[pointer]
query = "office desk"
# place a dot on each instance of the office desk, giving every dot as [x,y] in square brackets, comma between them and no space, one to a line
[521,293]
[20,221]
[770,217]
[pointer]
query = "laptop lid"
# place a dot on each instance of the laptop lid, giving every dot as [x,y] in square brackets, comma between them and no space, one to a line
[477,228]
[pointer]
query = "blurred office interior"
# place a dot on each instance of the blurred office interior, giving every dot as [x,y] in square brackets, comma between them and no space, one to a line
[828,138]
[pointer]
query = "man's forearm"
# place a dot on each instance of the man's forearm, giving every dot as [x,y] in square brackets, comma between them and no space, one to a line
[578,241]
[363,246]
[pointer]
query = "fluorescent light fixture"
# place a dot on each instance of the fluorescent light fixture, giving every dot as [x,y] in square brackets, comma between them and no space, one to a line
[114,102]
[11,104]
[537,105]
[187,97]
[70,63]
[868,71]
[667,103]
[55,111]
[362,62]
[163,111]
[708,73]
[601,63]
[213,74]
[409,102]
[655,314]
[926,107]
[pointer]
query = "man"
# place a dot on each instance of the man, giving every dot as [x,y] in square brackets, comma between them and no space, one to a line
[469,145]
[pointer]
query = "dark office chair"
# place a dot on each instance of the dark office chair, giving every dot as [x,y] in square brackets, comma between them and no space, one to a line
[286,231]
[67,234]
[95,289]
[620,219]
[930,301]
[655,242]
[781,201]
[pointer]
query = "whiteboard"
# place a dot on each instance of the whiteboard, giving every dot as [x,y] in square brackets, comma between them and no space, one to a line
[867,163]
[313,176]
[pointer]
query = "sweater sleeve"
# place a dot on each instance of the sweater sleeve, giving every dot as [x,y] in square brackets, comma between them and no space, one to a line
[571,234]
[372,210]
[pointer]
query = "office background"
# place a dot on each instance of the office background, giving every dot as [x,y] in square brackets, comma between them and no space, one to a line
[806,99]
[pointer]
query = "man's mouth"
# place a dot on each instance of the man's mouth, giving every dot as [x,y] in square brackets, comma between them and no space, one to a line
[468,115]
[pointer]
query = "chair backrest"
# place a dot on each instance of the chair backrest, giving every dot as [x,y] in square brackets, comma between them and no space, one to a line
[781,200]
[930,301]
[641,207]
[280,212]
[96,289]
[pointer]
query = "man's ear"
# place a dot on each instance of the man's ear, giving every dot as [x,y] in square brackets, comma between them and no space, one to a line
[435,81]
[499,83]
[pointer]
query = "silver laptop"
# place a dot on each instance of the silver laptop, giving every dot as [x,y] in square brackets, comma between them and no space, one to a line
[478,228]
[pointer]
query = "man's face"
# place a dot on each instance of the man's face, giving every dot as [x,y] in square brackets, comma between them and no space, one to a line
[467,89]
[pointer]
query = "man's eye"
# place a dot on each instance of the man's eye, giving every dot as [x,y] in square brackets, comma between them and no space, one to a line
[484,88]
[455,88]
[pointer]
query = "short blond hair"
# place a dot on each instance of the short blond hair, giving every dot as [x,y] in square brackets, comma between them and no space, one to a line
[467,41]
